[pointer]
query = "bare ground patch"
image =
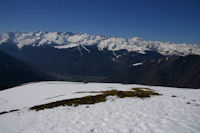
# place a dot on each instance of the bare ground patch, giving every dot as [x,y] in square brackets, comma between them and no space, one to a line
[134,92]
[5,112]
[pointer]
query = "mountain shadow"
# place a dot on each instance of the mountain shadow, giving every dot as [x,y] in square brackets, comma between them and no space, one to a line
[15,72]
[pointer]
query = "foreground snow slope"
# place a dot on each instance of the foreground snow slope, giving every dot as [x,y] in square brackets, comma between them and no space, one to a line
[156,114]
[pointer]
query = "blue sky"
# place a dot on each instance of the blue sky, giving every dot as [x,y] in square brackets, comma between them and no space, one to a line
[162,20]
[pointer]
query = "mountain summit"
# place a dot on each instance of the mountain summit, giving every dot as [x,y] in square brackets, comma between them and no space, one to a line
[64,40]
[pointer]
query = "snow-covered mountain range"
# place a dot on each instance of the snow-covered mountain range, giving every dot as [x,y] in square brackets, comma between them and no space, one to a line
[82,57]
[63,40]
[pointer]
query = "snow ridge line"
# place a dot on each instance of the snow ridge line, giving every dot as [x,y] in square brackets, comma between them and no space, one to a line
[61,40]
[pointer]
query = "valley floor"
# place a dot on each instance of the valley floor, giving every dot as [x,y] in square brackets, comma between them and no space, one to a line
[176,110]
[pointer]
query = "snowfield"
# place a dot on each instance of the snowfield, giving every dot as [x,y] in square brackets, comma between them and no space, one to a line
[176,110]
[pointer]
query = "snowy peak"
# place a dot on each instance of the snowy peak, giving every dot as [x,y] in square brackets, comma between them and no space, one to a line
[62,40]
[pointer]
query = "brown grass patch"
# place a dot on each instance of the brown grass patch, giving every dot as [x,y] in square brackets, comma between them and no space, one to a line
[5,112]
[138,92]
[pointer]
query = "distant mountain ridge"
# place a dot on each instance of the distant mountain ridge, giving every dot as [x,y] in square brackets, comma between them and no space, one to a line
[82,57]
[63,40]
